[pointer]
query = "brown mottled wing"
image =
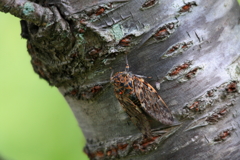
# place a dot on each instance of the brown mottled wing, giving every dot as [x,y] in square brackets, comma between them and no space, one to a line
[151,102]
[135,114]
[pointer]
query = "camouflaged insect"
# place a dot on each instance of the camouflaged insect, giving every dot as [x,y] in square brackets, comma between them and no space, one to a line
[137,98]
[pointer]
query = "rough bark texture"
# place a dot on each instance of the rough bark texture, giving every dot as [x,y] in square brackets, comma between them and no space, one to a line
[190,48]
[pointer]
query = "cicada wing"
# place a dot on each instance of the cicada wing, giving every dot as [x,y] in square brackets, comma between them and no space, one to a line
[151,102]
[135,114]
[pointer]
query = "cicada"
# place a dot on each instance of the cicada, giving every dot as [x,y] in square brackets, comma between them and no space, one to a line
[139,99]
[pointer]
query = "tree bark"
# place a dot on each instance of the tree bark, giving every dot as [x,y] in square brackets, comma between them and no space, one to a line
[189,48]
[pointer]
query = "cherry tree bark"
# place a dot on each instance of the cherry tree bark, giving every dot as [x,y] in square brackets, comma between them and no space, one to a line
[190,49]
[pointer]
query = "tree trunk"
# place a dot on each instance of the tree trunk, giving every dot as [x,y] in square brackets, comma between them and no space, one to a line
[189,48]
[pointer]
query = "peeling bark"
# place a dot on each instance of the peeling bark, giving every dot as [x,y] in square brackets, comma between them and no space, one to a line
[189,49]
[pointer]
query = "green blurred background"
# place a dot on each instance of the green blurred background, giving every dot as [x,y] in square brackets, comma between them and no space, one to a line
[35,121]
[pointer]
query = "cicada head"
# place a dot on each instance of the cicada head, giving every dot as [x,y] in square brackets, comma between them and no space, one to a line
[122,81]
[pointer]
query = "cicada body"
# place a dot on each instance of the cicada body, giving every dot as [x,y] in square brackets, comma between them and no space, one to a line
[138,98]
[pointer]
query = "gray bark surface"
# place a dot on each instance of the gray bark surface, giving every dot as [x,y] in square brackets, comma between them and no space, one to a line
[190,48]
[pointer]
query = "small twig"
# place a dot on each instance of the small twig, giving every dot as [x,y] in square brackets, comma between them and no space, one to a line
[29,11]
